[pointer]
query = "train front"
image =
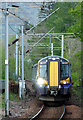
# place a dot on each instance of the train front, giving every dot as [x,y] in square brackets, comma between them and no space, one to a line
[53,76]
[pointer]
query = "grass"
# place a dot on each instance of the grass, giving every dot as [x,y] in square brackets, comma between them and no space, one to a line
[12,97]
[2,103]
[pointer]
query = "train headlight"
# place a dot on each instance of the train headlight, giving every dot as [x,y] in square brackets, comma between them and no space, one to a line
[41,81]
[64,82]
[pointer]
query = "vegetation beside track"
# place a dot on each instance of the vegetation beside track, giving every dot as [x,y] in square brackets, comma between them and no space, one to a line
[12,97]
[76,74]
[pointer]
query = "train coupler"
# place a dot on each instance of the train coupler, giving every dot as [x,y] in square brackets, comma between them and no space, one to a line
[53,93]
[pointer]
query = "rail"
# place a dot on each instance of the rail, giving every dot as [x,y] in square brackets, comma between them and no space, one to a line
[37,113]
[62,113]
[40,111]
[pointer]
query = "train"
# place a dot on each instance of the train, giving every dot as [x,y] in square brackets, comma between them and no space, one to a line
[52,78]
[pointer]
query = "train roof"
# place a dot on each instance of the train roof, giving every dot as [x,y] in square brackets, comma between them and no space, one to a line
[50,57]
[54,57]
[35,65]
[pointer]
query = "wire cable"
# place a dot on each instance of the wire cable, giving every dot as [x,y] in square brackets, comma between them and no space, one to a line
[32,27]
[16,15]
[38,24]
[39,41]
[13,29]
[43,20]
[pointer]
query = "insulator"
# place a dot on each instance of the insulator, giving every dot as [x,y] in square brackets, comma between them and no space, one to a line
[15,40]
[27,51]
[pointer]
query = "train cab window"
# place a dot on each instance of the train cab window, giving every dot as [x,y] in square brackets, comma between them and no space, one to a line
[34,72]
[43,71]
[64,70]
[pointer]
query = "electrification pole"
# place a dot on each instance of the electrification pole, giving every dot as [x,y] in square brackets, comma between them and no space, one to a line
[51,49]
[19,62]
[6,64]
[62,46]
[20,81]
[50,43]
[16,56]
[23,82]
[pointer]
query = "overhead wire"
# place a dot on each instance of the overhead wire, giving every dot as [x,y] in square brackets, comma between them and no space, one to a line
[39,40]
[36,4]
[43,19]
[32,27]
[31,7]
[24,14]
[18,17]
[13,29]
[15,15]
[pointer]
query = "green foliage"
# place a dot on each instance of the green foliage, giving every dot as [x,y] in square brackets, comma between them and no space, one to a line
[76,69]
[75,79]
[28,68]
[61,19]
[3,63]
[11,60]
[76,73]
[76,14]
[82,21]
[2,103]
[12,97]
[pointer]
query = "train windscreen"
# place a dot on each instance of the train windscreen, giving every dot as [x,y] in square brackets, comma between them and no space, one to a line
[64,70]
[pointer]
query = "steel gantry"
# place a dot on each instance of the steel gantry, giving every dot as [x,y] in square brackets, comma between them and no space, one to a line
[58,36]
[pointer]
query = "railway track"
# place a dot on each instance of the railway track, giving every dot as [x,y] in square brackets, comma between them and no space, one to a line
[62,113]
[50,112]
[36,115]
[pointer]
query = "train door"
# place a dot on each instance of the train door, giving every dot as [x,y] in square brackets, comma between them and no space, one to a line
[54,73]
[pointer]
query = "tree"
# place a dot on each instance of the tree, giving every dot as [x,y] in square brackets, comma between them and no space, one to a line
[76,14]
[62,19]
